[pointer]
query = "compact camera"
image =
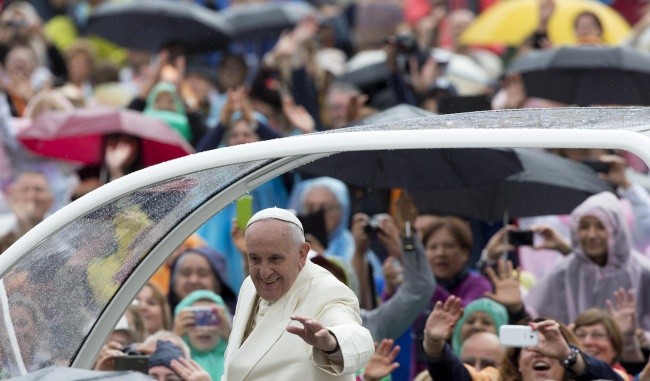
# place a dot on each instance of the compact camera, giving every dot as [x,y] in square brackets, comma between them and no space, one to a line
[373,225]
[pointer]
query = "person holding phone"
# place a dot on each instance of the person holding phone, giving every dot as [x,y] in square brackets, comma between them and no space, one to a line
[203,321]
[602,260]
[557,355]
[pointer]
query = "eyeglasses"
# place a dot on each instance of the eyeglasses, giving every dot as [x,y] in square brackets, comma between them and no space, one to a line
[479,363]
[595,335]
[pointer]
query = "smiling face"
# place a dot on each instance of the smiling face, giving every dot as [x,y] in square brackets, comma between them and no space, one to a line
[597,342]
[593,239]
[275,257]
[535,367]
[150,310]
[194,273]
[446,257]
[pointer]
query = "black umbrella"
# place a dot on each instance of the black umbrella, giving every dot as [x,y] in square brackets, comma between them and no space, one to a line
[417,168]
[414,168]
[549,184]
[265,20]
[587,75]
[367,70]
[152,24]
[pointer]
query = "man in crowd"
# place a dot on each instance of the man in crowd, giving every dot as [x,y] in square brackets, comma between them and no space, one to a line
[30,199]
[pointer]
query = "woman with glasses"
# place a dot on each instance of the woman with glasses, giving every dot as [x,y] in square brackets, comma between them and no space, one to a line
[601,337]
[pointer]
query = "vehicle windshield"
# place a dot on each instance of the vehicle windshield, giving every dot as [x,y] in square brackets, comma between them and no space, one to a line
[56,293]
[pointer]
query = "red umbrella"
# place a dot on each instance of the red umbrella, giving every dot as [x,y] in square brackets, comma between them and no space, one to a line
[78,135]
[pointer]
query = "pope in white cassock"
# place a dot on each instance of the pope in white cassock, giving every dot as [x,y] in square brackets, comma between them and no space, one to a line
[294,320]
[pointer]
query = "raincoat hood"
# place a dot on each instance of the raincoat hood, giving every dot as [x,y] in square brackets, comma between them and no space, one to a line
[496,311]
[341,242]
[176,119]
[607,209]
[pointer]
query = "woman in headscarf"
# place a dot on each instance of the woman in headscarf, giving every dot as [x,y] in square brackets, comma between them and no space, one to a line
[481,315]
[200,269]
[165,104]
[601,262]
[330,196]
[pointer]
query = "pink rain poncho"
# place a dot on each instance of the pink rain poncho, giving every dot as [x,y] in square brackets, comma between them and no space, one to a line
[577,283]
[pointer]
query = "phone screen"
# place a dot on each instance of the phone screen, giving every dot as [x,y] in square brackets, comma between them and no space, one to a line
[244,210]
[520,237]
[314,224]
[138,363]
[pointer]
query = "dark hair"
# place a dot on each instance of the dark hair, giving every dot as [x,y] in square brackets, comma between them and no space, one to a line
[456,226]
[589,14]
[594,316]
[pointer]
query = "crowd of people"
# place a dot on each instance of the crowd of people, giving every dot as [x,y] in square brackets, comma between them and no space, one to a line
[417,285]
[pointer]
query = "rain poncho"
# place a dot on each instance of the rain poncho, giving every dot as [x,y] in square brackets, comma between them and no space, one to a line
[175,119]
[211,361]
[577,283]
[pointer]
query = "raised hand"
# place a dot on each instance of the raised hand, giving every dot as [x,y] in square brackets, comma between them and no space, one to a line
[616,173]
[551,342]
[393,275]
[497,244]
[389,236]
[298,116]
[189,370]
[440,323]
[106,359]
[623,310]
[506,286]
[553,240]
[117,158]
[382,363]
[361,239]
[313,333]
[183,322]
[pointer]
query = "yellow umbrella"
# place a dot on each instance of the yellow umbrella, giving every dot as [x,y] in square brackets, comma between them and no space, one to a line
[512,21]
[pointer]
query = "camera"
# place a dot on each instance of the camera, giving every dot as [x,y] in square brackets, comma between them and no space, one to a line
[373,225]
[404,44]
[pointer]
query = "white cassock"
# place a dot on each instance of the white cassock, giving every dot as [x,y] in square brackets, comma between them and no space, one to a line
[272,353]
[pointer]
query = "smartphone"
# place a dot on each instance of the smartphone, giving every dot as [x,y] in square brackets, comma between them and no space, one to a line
[138,363]
[314,224]
[596,165]
[520,237]
[519,336]
[244,210]
[205,317]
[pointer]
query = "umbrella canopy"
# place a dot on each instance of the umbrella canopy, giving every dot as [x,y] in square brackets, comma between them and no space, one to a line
[78,135]
[512,21]
[549,184]
[417,168]
[74,374]
[414,168]
[587,75]
[265,20]
[366,68]
[151,24]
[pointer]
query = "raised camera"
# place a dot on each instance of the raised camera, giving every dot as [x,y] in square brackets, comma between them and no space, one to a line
[373,225]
